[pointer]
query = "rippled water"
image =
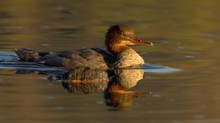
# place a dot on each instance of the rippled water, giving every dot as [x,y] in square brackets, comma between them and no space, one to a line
[186,38]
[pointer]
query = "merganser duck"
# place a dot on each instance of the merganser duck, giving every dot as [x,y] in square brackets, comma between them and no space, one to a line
[119,54]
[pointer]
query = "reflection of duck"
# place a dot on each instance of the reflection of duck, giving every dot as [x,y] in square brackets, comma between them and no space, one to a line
[85,80]
[114,83]
[117,39]
[118,94]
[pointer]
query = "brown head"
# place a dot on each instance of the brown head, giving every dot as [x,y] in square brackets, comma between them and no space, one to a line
[118,37]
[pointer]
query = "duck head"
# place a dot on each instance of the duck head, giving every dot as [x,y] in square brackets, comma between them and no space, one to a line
[119,37]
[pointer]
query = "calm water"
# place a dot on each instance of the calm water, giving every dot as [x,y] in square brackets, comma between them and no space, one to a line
[186,35]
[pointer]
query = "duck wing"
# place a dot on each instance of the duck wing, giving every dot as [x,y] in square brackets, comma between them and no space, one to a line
[90,57]
[94,58]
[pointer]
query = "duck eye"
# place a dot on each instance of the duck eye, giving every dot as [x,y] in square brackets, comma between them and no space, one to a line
[129,37]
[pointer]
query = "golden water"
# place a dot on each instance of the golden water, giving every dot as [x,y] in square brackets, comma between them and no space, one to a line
[185,34]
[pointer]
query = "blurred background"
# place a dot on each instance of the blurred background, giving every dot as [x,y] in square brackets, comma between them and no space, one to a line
[185,34]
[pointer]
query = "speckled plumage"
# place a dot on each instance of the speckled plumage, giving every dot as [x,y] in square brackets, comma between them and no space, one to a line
[128,58]
[120,55]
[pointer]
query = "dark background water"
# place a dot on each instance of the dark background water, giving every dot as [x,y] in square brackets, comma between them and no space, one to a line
[185,34]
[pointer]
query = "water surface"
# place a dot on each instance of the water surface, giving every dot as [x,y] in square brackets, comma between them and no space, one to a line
[186,37]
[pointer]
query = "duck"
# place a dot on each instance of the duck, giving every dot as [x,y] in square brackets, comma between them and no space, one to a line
[118,53]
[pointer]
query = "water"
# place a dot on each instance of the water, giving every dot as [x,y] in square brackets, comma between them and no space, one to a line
[185,34]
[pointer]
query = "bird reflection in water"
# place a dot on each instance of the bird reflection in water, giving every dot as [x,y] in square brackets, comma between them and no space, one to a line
[85,80]
[115,84]
[117,94]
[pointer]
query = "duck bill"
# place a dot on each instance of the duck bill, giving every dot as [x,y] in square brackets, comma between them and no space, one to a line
[136,42]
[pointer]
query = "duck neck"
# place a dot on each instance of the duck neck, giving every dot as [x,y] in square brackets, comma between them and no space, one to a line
[116,48]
